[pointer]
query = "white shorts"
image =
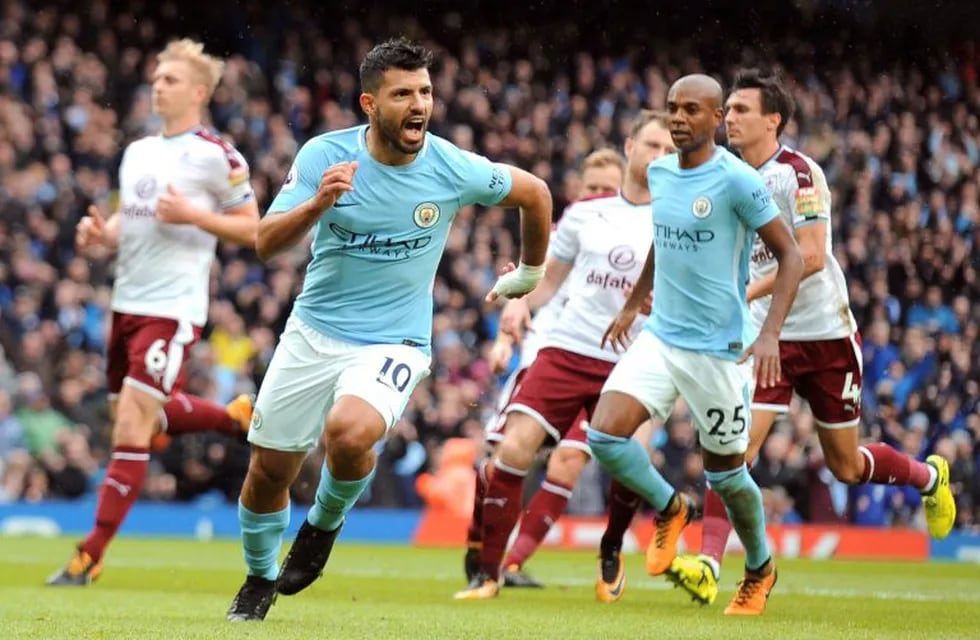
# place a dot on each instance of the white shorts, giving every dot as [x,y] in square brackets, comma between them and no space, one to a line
[309,371]
[717,391]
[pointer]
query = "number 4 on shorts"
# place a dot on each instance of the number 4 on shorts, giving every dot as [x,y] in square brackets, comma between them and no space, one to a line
[851,390]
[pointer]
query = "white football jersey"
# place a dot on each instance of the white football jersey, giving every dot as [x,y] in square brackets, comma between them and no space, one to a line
[821,310]
[542,322]
[607,239]
[162,269]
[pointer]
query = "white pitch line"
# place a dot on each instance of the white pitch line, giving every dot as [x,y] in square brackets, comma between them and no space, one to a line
[644,584]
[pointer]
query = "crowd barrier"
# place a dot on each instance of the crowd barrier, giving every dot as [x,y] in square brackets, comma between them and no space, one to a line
[206,519]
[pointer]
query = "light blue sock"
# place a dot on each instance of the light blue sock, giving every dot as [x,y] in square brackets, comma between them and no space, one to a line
[334,498]
[629,462]
[743,502]
[262,539]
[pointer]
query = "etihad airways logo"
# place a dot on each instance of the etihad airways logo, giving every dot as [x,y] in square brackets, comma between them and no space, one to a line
[666,236]
[380,246]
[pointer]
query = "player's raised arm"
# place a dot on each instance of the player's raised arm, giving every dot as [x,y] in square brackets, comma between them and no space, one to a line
[533,197]
[556,272]
[812,241]
[516,316]
[811,215]
[236,224]
[562,250]
[235,218]
[303,198]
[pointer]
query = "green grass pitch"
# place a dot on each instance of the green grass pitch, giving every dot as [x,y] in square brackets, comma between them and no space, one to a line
[170,589]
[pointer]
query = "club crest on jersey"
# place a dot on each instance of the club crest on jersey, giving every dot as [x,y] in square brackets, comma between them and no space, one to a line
[701,208]
[146,187]
[426,214]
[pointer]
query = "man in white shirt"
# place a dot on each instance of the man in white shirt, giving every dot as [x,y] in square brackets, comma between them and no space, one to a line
[180,191]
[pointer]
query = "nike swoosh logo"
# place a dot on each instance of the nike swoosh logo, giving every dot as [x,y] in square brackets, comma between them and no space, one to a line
[727,442]
[619,586]
[337,205]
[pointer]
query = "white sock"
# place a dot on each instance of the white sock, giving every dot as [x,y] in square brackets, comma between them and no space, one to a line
[713,564]
[933,478]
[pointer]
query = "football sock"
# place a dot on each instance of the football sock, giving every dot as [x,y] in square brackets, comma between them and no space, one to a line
[715,527]
[884,465]
[743,502]
[629,463]
[334,498]
[262,540]
[120,488]
[544,510]
[623,505]
[501,508]
[185,413]
[474,535]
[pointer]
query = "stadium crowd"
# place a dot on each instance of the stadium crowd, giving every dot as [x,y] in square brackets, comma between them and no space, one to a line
[894,124]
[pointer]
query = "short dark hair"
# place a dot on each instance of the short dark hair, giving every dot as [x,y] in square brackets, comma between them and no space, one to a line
[396,53]
[774,95]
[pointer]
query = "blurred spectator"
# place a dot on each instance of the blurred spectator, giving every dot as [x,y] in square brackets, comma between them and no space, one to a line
[42,425]
[933,316]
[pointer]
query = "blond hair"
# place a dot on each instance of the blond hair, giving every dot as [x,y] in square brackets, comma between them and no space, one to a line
[207,67]
[645,117]
[604,158]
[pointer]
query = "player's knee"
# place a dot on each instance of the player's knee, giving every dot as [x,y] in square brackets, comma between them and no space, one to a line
[566,464]
[350,432]
[617,414]
[848,470]
[133,427]
[523,438]
[603,419]
[269,473]
[349,443]
[514,454]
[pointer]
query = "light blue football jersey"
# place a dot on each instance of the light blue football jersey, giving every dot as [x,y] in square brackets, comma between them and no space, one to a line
[375,252]
[704,223]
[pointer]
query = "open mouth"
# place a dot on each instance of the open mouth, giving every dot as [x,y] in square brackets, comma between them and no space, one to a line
[415,126]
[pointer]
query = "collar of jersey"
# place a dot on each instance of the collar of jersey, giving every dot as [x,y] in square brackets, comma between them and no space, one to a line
[701,167]
[779,150]
[362,146]
[192,130]
[630,202]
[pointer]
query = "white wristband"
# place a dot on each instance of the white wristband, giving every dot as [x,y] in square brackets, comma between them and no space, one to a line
[521,280]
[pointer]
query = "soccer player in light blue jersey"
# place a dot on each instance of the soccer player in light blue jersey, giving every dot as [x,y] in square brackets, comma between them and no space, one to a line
[698,342]
[381,198]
